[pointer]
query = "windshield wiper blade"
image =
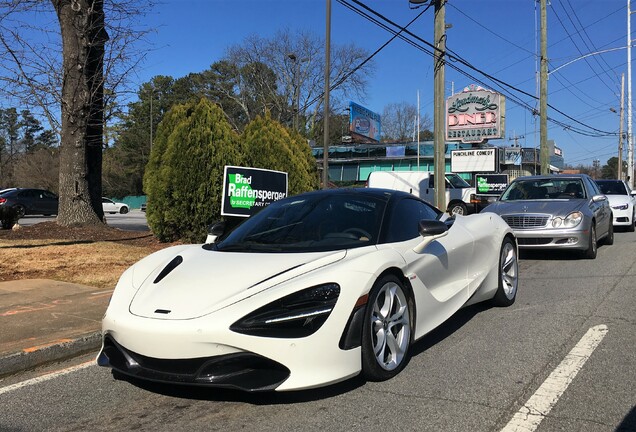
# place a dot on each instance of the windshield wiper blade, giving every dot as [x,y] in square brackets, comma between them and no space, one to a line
[248,246]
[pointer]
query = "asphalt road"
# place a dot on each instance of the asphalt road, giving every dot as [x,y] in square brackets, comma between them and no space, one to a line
[475,373]
[135,220]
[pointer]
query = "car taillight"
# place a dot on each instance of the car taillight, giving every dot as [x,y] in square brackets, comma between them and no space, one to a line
[3,200]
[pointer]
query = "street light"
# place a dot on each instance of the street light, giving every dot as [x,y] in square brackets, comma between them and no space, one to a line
[296,79]
[620,130]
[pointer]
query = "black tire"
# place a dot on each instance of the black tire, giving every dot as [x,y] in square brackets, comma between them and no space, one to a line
[609,238]
[631,226]
[457,208]
[379,361]
[20,211]
[123,210]
[508,274]
[590,252]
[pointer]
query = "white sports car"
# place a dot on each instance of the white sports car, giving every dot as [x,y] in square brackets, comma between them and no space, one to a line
[312,290]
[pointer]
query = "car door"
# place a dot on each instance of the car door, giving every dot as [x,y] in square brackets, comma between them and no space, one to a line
[40,202]
[108,205]
[439,273]
[28,199]
[601,209]
[50,203]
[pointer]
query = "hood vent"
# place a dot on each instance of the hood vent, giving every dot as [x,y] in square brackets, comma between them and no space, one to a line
[171,266]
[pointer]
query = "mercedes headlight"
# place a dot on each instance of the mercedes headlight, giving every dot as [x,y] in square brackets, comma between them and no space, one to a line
[621,207]
[296,315]
[570,221]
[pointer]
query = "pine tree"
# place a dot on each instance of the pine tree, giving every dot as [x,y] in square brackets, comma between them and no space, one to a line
[268,144]
[184,176]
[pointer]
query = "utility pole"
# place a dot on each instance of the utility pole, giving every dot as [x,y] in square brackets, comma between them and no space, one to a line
[516,139]
[620,130]
[543,93]
[325,155]
[439,123]
[630,138]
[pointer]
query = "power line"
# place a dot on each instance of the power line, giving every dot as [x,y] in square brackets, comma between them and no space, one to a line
[502,84]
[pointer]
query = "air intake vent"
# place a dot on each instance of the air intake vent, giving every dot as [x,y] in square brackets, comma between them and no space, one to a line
[171,266]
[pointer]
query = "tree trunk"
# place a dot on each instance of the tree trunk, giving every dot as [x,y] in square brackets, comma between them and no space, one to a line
[83,40]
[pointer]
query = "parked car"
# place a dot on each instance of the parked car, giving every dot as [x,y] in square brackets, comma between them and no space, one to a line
[143,207]
[30,201]
[622,200]
[566,212]
[113,207]
[313,289]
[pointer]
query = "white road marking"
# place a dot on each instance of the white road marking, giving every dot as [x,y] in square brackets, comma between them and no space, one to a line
[528,418]
[46,377]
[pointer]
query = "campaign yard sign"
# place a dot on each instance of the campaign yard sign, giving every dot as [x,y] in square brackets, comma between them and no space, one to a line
[491,184]
[247,190]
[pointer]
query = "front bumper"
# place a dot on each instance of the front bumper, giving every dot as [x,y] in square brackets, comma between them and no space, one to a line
[242,371]
[622,217]
[553,239]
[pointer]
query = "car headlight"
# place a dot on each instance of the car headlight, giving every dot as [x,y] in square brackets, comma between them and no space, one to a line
[294,316]
[573,219]
[621,207]
[570,221]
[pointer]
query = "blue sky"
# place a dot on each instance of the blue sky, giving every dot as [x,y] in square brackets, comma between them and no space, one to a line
[498,37]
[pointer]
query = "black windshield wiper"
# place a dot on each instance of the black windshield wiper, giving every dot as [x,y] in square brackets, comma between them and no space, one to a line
[248,246]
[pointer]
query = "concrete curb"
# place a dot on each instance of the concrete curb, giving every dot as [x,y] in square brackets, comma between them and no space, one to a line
[25,360]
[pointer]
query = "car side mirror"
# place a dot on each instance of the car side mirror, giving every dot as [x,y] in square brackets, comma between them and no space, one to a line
[215,230]
[599,198]
[430,230]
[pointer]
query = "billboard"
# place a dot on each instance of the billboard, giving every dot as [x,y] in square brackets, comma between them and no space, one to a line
[247,190]
[511,156]
[475,115]
[476,160]
[363,122]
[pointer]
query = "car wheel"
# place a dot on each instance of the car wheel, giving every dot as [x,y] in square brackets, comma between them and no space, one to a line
[508,274]
[458,209]
[20,211]
[386,337]
[590,253]
[123,210]
[609,239]
[631,226]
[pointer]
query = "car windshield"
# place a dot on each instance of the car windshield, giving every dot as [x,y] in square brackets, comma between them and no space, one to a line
[310,223]
[609,187]
[542,189]
[457,181]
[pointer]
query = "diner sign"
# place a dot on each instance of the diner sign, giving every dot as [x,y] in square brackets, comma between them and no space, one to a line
[475,115]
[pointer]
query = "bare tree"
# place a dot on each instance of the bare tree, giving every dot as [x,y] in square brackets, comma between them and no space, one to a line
[298,61]
[62,75]
[399,121]
[38,169]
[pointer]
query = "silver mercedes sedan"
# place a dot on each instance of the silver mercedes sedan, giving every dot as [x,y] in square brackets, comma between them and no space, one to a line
[557,212]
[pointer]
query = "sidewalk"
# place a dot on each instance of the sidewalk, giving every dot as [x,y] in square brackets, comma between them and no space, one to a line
[43,321]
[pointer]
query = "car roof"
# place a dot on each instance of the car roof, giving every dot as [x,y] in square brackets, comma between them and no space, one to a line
[376,192]
[553,177]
